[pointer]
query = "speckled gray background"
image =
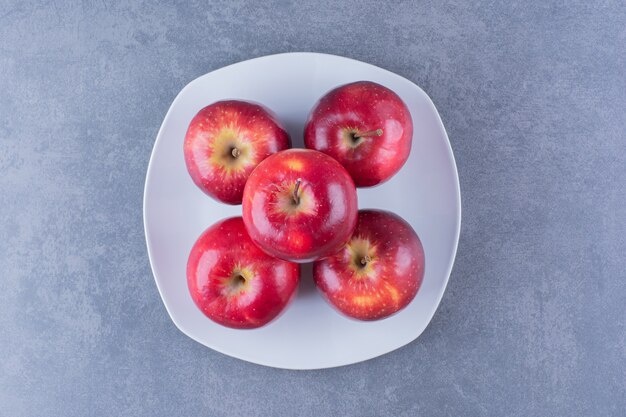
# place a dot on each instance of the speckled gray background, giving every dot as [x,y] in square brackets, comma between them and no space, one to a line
[533,97]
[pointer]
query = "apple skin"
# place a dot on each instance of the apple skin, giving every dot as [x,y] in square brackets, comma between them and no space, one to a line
[378,272]
[225,141]
[354,109]
[233,282]
[318,224]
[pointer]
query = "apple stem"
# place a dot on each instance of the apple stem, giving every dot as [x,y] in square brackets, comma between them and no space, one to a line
[377,132]
[296,197]
[235,153]
[365,260]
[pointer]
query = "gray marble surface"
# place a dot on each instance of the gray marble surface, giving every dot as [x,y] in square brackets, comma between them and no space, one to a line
[533,97]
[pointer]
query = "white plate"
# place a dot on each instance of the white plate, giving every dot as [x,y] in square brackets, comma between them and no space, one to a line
[310,334]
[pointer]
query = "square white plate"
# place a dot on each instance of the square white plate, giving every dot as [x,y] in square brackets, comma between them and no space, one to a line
[310,334]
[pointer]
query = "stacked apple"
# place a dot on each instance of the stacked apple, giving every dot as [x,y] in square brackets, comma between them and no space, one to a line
[300,205]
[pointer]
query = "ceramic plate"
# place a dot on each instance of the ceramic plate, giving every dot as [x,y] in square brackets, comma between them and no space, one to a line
[310,334]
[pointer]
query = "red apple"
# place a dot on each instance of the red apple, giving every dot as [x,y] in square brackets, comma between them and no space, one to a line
[378,272]
[300,205]
[233,282]
[225,141]
[364,126]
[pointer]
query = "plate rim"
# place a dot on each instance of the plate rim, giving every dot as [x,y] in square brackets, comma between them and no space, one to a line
[457,187]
